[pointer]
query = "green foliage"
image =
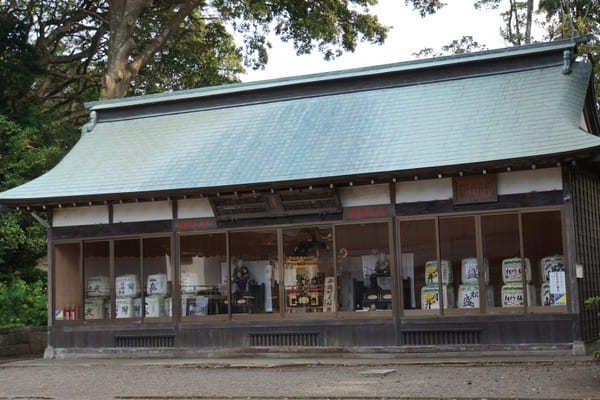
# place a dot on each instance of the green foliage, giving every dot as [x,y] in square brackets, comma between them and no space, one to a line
[516,16]
[18,63]
[593,302]
[466,44]
[571,18]
[200,54]
[22,303]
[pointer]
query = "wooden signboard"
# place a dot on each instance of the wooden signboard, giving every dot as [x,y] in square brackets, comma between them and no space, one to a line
[363,212]
[475,189]
[197,224]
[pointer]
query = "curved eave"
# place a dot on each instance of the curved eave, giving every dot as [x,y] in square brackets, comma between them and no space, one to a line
[491,167]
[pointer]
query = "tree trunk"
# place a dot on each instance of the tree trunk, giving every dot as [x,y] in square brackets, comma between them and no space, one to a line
[123,16]
[529,21]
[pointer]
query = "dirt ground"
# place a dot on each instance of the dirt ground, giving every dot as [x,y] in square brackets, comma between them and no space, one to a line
[522,378]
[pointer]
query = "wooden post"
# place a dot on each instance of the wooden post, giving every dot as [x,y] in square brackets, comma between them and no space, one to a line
[439,265]
[228,257]
[281,259]
[113,293]
[51,274]
[480,266]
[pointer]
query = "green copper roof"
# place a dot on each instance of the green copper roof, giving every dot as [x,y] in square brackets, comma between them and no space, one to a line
[179,95]
[478,119]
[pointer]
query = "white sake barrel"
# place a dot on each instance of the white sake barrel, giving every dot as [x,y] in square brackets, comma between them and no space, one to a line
[551,264]
[168,307]
[124,307]
[431,272]
[127,285]
[98,286]
[512,295]
[190,282]
[469,271]
[430,297]
[137,307]
[468,296]
[155,306]
[157,285]
[94,308]
[512,270]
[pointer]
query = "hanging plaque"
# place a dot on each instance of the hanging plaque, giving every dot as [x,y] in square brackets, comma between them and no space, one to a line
[474,189]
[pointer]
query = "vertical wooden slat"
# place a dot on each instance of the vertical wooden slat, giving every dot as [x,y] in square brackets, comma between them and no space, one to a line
[396,273]
[523,265]
[439,264]
[81,312]
[281,260]
[228,257]
[143,283]
[480,265]
[51,273]
[335,271]
[113,293]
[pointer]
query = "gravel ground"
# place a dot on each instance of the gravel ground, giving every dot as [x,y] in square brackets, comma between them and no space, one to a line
[164,379]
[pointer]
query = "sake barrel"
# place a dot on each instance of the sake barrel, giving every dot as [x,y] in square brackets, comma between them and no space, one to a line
[98,286]
[512,295]
[190,282]
[512,270]
[551,264]
[155,306]
[94,308]
[430,297]
[157,285]
[127,285]
[124,307]
[137,307]
[431,272]
[469,271]
[468,296]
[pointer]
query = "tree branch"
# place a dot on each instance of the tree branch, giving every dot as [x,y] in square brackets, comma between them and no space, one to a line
[185,9]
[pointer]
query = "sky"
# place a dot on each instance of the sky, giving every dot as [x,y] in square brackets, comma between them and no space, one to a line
[408,34]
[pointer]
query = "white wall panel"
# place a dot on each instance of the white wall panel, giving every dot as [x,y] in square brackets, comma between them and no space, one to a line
[80,216]
[364,195]
[146,211]
[194,208]
[425,190]
[535,180]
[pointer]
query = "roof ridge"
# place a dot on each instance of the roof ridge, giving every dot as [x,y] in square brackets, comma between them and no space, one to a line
[339,74]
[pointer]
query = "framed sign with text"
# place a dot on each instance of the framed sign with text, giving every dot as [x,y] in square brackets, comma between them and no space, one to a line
[475,189]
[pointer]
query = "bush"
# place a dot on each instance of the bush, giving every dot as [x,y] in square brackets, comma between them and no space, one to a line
[592,301]
[22,303]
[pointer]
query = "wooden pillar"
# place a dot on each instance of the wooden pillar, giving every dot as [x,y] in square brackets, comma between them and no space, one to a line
[51,274]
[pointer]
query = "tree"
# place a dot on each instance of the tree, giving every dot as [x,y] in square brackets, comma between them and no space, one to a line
[518,19]
[466,44]
[570,18]
[87,46]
